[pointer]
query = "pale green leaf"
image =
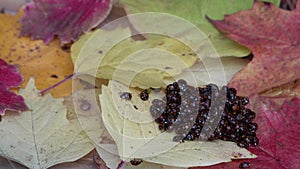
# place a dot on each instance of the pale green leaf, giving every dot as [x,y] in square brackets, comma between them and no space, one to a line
[202,74]
[112,55]
[84,105]
[137,135]
[195,12]
[112,159]
[43,136]
[193,153]
[131,136]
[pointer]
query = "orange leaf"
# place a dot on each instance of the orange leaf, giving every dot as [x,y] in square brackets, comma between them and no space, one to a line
[49,64]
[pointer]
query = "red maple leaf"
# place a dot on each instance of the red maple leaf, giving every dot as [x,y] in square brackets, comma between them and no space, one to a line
[273,36]
[68,18]
[278,133]
[10,77]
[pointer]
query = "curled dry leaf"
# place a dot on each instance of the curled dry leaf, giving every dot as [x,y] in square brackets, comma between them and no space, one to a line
[42,137]
[195,12]
[275,47]
[112,55]
[9,78]
[68,19]
[138,136]
[48,64]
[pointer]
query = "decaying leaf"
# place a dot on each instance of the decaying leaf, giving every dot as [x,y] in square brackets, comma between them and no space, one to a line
[195,12]
[143,64]
[138,136]
[9,78]
[68,19]
[49,64]
[42,137]
[273,37]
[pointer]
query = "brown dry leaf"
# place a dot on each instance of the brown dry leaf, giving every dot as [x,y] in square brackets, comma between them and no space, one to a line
[49,64]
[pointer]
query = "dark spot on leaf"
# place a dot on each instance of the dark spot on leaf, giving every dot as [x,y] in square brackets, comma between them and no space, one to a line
[183,54]
[54,76]
[100,52]
[135,107]
[168,67]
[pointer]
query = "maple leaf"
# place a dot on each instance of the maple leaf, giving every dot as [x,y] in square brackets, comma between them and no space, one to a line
[68,19]
[49,63]
[279,134]
[43,136]
[272,34]
[10,77]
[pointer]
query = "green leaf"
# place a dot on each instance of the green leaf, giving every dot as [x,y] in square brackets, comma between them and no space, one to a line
[137,135]
[42,137]
[112,55]
[195,12]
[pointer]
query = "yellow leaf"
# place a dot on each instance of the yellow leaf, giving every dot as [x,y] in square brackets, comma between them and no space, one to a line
[49,64]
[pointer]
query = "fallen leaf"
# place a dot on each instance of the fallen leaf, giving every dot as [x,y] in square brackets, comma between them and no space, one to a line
[278,133]
[275,47]
[48,64]
[195,153]
[131,143]
[9,78]
[143,64]
[204,74]
[83,105]
[42,137]
[195,12]
[112,160]
[68,19]
[138,136]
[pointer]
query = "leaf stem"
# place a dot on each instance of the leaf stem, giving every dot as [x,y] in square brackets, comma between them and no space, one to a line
[58,83]
[121,164]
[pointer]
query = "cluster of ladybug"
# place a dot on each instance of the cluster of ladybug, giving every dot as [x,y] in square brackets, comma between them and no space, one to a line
[207,113]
